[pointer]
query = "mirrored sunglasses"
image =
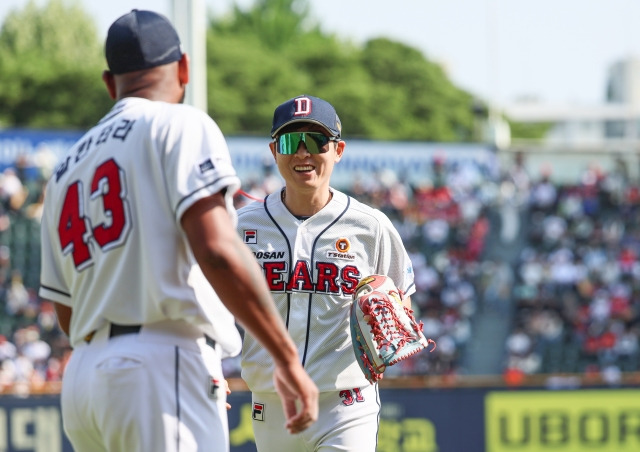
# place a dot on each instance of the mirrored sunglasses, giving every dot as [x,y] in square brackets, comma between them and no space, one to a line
[315,142]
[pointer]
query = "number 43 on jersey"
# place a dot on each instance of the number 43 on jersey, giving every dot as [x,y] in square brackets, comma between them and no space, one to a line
[77,231]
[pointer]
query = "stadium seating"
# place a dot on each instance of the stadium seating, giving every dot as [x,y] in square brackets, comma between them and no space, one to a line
[534,276]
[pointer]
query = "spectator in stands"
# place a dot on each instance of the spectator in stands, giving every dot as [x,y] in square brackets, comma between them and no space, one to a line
[12,192]
[519,175]
[544,193]
[7,349]
[17,295]
[521,353]
[499,288]
[35,349]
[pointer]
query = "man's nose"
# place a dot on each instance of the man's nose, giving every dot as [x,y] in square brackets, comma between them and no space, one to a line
[302,150]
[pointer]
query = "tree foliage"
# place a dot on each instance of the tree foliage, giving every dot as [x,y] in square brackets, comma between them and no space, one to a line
[50,66]
[529,131]
[383,90]
[256,59]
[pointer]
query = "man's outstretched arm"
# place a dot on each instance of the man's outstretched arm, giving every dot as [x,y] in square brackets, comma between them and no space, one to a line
[235,275]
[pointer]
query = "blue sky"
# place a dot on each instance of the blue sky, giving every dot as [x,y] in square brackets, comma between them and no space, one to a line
[557,51]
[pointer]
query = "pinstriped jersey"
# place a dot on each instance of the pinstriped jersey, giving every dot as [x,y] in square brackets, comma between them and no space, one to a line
[312,267]
[112,245]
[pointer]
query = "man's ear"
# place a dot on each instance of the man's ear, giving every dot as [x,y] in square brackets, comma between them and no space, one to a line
[272,146]
[107,78]
[340,145]
[183,69]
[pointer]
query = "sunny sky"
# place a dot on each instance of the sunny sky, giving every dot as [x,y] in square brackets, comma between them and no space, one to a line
[557,51]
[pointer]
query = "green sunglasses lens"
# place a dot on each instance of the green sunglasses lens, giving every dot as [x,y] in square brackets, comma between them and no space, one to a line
[314,141]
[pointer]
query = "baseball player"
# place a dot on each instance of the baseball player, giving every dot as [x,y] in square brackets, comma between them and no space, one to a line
[138,230]
[314,244]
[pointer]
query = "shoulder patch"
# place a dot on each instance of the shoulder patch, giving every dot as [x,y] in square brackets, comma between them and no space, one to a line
[207,165]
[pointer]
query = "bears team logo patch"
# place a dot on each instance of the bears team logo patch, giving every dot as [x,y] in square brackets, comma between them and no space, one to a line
[258,412]
[250,236]
[342,246]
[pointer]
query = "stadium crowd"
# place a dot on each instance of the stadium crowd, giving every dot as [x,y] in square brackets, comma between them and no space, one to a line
[33,349]
[572,293]
[577,281]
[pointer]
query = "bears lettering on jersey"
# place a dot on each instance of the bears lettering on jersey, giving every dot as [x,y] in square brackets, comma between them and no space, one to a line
[331,278]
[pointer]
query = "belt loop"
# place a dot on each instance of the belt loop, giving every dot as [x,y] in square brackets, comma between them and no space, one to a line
[89,336]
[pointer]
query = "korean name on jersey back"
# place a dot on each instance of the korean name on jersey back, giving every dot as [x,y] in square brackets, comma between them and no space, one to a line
[115,130]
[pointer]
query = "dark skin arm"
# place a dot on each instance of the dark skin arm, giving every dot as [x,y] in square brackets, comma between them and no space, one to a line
[238,280]
[236,276]
[64,316]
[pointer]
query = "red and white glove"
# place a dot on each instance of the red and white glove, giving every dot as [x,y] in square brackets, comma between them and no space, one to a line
[384,331]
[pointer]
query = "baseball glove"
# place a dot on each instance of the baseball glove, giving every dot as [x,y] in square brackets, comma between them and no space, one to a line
[383,331]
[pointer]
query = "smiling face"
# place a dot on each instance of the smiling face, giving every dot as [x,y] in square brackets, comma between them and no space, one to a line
[304,173]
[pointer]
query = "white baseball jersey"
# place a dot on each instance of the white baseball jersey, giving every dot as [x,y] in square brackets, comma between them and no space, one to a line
[113,248]
[312,268]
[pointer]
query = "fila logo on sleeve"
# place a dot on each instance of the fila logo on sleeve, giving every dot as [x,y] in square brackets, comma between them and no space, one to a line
[250,236]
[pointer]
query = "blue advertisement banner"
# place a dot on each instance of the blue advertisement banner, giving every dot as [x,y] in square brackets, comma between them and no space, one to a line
[410,161]
[412,420]
[32,424]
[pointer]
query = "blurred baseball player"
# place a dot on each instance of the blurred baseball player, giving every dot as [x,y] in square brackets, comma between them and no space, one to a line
[314,243]
[137,232]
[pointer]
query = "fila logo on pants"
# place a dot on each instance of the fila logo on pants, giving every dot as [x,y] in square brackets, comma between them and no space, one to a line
[258,412]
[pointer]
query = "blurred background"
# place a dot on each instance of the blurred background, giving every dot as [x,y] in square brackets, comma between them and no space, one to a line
[501,137]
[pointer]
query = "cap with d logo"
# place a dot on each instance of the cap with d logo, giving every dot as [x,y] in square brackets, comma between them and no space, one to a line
[306,109]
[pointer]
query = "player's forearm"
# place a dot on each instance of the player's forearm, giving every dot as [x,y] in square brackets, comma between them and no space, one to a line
[63,313]
[241,285]
[232,270]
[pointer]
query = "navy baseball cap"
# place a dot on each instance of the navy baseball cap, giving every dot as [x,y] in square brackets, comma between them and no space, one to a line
[141,40]
[306,109]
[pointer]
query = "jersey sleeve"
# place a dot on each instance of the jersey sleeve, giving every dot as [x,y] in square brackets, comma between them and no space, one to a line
[197,163]
[52,282]
[393,259]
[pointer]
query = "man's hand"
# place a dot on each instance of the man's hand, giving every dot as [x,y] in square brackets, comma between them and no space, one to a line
[234,273]
[228,389]
[299,396]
